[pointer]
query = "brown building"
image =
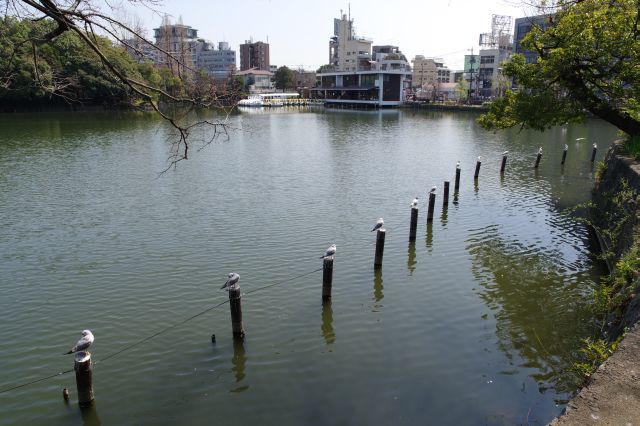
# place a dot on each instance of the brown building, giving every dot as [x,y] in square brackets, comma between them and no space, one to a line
[254,55]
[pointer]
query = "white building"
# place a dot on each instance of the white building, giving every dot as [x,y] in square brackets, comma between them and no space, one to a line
[348,52]
[219,63]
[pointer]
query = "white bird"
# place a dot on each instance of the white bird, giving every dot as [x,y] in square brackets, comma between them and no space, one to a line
[329,252]
[83,344]
[414,203]
[566,147]
[458,165]
[505,153]
[595,145]
[379,225]
[580,139]
[232,281]
[540,151]
[433,190]
[479,158]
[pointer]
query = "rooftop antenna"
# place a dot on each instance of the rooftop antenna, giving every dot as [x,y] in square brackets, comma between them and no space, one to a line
[349,11]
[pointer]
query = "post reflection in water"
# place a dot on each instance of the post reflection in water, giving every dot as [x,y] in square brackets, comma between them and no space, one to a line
[90,415]
[429,237]
[378,294]
[445,215]
[411,257]
[455,198]
[475,186]
[327,323]
[239,360]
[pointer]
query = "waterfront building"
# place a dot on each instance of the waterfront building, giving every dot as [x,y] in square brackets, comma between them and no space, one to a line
[254,55]
[257,81]
[429,71]
[522,28]
[219,63]
[490,81]
[348,52]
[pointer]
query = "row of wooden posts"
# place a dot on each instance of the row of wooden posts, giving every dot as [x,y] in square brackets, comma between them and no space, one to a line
[83,365]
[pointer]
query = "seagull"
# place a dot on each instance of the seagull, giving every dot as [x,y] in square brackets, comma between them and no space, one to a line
[595,145]
[540,151]
[458,165]
[379,224]
[566,147]
[232,281]
[414,203]
[505,153]
[329,252]
[433,190]
[479,158]
[580,139]
[83,344]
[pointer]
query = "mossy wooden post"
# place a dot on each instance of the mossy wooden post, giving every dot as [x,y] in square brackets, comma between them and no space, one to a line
[84,377]
[477,172]
[445,194]
[377,261]
[593,152]
[504,163]
[456,185]
[432,203]
[538,158]
[235,306]
[327,277]
[564,154]
[413,226]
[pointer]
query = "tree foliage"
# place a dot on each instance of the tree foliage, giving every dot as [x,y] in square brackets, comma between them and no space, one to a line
[326,68]
[285,78]
[589,62]
[72,50]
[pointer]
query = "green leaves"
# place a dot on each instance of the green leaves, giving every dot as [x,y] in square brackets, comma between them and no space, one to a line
[589,61]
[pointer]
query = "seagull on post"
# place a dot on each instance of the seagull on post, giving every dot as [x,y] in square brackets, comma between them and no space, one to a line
[232,281]
[379,225]
[505,153]
[83,344]
[414,203]
[329,252]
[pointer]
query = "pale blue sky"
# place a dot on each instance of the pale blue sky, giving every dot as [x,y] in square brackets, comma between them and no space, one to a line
[298,31]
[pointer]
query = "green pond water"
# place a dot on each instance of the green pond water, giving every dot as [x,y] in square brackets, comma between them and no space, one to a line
[476,323]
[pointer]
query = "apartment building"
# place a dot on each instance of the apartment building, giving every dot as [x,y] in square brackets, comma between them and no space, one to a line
[254,55]
[348,52]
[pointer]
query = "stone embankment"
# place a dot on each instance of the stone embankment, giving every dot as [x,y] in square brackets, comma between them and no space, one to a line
[612,395]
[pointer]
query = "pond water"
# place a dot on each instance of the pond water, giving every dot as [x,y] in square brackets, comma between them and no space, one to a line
[477,322]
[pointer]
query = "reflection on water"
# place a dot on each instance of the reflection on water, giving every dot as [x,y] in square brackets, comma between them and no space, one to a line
[90,415]
[429,236]
[378,294]
[533,303]
[444,215]
[239,361]
[327,323]
[411,258]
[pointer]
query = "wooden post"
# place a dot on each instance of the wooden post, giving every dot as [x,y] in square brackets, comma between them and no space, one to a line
[456,185]
[84,377]
[235,306]
[564,154]
[445,195]
[538,158]
[65,395]
[477,172]
[504,163]
[327,277]
[414,224]
[432,202]
[593,152]
[377,261]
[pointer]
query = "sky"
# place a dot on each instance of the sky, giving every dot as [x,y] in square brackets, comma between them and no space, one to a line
[298,31]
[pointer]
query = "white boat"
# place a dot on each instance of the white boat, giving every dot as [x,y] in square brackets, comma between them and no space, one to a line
[268,99]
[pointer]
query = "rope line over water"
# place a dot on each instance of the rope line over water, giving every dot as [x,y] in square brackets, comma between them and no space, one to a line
[157,333]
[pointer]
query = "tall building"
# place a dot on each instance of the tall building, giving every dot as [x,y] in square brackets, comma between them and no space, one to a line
[178,41]
[522,28]
[348,52]
[219,63]
[429,71]
[254,55]
[495,48]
